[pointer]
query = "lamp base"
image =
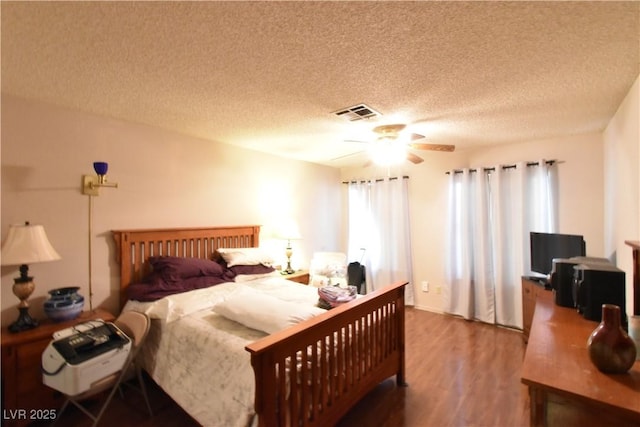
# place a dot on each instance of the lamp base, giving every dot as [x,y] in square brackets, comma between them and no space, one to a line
[24,322]
[289,270]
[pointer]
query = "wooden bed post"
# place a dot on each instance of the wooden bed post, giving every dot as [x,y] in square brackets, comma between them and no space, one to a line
[265,381]
[400,378]
[123,258]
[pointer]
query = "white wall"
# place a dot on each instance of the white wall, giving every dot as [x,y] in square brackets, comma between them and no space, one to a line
[622,183]
[580,176]
[581,209]
[165,180]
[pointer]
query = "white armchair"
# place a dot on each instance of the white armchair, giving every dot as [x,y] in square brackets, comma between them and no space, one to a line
[328,268]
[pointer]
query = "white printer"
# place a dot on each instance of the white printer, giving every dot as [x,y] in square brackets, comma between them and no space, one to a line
[79,356]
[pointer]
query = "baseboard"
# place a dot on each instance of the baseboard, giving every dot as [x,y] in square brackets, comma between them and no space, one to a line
[427,308]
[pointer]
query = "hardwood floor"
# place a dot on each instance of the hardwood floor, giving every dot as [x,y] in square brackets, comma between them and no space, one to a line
[460,373]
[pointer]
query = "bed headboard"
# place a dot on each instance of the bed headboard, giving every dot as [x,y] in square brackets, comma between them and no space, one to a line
[134,247]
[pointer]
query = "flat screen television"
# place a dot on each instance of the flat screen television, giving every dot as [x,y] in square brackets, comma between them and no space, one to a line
[547,246]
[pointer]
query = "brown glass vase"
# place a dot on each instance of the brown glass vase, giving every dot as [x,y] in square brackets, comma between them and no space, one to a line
[610,348]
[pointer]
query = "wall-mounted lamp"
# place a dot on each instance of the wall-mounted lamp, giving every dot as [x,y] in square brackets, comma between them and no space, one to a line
[90,186]
[92,183]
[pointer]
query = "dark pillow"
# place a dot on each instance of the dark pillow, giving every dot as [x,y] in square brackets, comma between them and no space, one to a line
[176,268]
[155,286]
[216,257]
[232,272]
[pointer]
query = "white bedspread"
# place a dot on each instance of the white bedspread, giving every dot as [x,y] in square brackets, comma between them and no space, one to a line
[198,356]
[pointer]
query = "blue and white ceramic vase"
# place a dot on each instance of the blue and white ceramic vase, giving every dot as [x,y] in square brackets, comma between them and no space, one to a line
[64,304]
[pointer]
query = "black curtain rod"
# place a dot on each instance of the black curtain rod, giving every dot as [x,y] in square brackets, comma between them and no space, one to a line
[548,162]
[364,181]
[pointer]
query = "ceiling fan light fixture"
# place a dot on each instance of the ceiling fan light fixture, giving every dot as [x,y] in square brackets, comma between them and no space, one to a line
[393,143]
[387,152]
[391,130]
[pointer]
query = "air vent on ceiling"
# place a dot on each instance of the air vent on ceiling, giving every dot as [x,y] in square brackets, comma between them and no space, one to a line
[357,112]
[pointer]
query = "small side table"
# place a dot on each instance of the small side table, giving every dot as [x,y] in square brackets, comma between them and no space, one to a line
[25,399]
[300,276]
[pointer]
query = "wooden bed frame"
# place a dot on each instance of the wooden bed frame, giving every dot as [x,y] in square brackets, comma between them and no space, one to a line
[312,373]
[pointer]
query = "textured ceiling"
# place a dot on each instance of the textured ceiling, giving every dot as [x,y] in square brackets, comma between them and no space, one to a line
[267,75]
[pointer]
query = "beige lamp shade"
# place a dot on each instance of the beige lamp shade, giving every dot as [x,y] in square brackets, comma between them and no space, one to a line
[288,230]
[27,244]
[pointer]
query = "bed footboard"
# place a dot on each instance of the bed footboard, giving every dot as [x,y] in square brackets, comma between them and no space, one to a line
[313,373]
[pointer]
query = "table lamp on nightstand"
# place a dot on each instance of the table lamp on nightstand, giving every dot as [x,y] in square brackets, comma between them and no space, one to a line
[288,231]
[26,244]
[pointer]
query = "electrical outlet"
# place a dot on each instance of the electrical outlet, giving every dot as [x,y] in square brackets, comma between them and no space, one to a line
[425,286]
[439,290]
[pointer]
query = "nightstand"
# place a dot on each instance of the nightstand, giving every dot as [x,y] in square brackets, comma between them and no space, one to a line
[300,276]
[23,393]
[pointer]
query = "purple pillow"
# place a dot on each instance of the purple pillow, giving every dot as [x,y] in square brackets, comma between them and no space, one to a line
[155,287]
[175,268]
[232,272]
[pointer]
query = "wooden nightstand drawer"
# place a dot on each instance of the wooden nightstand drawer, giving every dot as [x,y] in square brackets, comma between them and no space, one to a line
[301,276]
[28,356]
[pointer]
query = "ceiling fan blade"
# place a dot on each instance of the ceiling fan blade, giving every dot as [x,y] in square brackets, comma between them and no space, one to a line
[415,159]
[416,137]
[432,147]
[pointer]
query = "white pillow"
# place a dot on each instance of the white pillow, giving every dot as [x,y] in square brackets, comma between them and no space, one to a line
[249,277]
[245,256]
[263,312]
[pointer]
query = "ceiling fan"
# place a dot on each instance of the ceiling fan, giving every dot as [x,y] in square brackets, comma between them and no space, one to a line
[391,145]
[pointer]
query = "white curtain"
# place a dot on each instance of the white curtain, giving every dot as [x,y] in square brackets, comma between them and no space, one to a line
[490,216]
[379,228]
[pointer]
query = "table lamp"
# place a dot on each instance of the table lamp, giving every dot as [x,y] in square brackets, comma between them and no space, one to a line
[26,244]
[288,231]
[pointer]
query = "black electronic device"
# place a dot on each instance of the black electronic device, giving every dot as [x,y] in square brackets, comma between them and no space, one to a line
[562,275]
[598,284]
[545,247]
[356,275]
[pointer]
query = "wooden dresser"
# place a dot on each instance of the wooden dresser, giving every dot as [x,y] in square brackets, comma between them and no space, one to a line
[531,290]
[24,398]
[635,295]
[565,388]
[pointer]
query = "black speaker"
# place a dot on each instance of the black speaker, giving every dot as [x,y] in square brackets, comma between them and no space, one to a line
[562,282]
[597,284]
[562,277]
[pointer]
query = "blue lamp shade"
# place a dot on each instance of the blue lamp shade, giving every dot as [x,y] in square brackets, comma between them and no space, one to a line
[101,167]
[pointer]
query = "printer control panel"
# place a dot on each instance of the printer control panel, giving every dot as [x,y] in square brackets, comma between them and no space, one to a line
[94,337]
[86,344]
